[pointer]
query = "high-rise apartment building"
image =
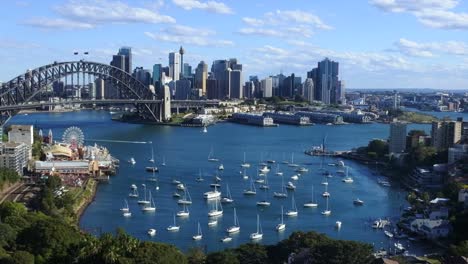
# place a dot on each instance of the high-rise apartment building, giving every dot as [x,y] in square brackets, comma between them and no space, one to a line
[397,140]
[267,87]
[445,134]
[236,89]
[326,82]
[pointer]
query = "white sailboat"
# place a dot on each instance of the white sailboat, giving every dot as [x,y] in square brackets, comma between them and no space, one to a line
[228,198]
[200,178]
[281,194]
[327,210]
[264,202]
[326,193]
[311,203]
[226,239]
[164,161]
[290,186]
[183,213]
[152,154]
[244,175]
[259,234]
[265,185]
[212,194]
[264,169]
[211,156]
[212,222]
[150,207]
[125,208]
[174,227]
[293,210]
[187,199]
[347,179]
[133,194]
[216,212]
[278,172]
[281,226]
[251,190]
[245,164]
[144,201]
[199,234]
[236,227]
[292,164]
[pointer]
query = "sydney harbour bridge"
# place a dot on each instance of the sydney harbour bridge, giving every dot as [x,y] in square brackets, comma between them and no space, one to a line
[33,89]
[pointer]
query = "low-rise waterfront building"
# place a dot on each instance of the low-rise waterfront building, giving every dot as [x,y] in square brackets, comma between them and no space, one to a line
[426,178]
[431,229]
[288,118]
[323,118]
[252,119]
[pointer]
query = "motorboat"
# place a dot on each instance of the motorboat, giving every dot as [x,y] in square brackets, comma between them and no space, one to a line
[226,239]
[180,187]
[259,181]
[348,180]
[388,234]
[212,222]
[295,177]
[264,169]
[302,170]
[290,186]
[358,201]
[132,161]
[338,224]
[127,214]
[215,194]
[263,203]
[151,232]
[220,167]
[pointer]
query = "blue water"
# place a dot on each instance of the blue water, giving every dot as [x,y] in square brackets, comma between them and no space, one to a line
[186,150]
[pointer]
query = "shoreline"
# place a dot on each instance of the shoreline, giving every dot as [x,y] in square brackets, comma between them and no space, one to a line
[87,200]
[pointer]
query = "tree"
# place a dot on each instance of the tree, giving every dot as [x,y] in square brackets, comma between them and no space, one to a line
[21,257]
[149,252]
[7,235]
[225,257]
[196,256]
[461,249]
[251,254]
[378,146]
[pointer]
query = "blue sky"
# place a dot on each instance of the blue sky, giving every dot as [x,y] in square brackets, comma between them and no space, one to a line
[379,43]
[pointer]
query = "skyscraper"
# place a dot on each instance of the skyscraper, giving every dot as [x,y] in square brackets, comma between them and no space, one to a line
[157,72]
[118,61]
[174,66]
[142,75]
[267,87]
[201,74]
[328,88]
[308,90]
[181,53]
[445,134]
[127,53]
[187,70]
[236,84]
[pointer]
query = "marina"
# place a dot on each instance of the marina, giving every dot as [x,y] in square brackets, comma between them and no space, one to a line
[184,162]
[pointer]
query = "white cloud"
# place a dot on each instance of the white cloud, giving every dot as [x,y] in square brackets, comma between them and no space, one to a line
[198,40]
[413,48]
[86,14]
[210,6]
[431,13]
[282,23]
[57,23]
[186,30]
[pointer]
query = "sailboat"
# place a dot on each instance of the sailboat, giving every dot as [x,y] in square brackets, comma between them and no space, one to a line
[211,156]
[251,190]
[265,185]
[244,175]
[245,164]
[125,208]
[228,198]
[212,194]
[292,164]
[183,213]
[164,161]
[293,211]
[174,227]
[132,161]
[311,203]
[327,210]
[347,179]
[281,226]
[281,194]
[187,199]
[325,182]
[153,178]
[236,227]
[199,235]
[144,201]
[264,202]
[259,234]
[326,193]
[150,207]
[200,178]
[278,172]
[133,194]
[264,169]
[216,212]
[152,154]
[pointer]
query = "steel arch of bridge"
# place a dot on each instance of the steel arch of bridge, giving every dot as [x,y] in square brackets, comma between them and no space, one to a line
[28,87]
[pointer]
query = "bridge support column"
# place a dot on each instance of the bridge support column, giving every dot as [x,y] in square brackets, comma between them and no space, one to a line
[166,102]
[177,109]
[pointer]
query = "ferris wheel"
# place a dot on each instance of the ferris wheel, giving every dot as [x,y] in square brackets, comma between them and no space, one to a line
[73,136]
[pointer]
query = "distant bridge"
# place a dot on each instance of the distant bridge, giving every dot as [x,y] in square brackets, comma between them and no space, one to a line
[30,90]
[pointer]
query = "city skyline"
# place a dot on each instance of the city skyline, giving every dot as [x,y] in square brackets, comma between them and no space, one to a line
[397,45]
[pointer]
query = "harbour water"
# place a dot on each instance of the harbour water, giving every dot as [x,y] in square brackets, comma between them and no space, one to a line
[185,151]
